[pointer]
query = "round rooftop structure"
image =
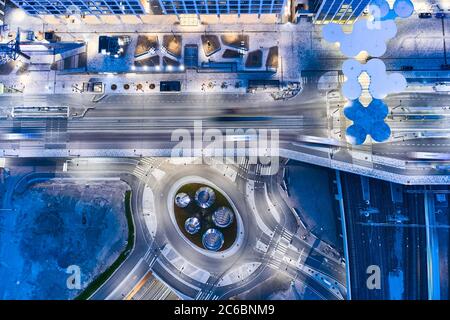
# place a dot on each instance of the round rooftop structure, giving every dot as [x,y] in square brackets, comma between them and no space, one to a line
[213,239]
[182,200]
[205,197]
[192,225]
[223,217]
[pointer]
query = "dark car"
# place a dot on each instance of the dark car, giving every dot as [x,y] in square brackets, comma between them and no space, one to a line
[425,15]
[445,66]
[167,86]
[407,68]
[440,15]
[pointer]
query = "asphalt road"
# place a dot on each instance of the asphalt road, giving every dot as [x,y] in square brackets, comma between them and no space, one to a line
[391,237]
[147,122]
[147,252]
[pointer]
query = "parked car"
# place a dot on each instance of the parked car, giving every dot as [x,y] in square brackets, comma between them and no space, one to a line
[440,15]
[407,68]
[442,87]
[425,15]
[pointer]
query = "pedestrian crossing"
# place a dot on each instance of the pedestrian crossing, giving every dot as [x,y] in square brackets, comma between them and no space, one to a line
[143,169]
[252,171]
[281,247]
[258,168]
[42,132]
[155,290]
[150,161]
[55,133]
[287,236]
[150,258]
[208,292]
[304,80]
[141,172]
[30,125]
[283,243]
[35,101]
[264,170]
[30,133]
[206,295]
[149,288]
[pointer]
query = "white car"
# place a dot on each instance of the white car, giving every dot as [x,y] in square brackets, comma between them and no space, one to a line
[442,87]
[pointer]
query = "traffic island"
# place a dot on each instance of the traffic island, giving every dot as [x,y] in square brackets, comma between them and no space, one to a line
[205,217]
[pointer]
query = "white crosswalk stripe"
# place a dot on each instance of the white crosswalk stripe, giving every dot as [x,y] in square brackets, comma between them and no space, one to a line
[282,245]
[150,161]
[139,172]
[35,101]
[143,169]
[275,264]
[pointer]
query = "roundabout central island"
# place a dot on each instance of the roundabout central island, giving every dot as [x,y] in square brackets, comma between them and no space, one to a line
[205,216]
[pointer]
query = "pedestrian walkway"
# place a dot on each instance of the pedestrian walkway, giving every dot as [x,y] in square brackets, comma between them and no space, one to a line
[261,37]
[238,274]
[132,83]
[183,266]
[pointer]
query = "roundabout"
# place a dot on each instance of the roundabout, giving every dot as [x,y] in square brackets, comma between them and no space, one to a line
[212,235]
[238,241]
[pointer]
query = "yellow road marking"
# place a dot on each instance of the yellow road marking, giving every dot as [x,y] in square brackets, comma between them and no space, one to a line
[138,286]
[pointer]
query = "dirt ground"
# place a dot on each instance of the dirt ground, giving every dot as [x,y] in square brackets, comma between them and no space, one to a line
[311,191]
[56,224]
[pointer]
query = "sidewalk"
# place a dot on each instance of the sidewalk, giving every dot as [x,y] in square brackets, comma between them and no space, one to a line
[128,78]
[138,83]
[263,34]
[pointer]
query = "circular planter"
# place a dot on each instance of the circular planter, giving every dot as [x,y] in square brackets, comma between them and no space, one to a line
[205,206]
[186,210]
